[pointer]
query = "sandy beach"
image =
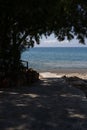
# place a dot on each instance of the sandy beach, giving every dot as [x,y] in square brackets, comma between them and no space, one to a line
[80,73]
[49,104]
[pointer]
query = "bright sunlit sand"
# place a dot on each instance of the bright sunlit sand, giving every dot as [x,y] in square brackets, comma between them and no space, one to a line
[59,75]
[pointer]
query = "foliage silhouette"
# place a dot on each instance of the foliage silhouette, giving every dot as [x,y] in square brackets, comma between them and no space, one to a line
[22,23]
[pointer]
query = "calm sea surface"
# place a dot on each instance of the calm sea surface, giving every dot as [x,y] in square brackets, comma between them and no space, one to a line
[54,59]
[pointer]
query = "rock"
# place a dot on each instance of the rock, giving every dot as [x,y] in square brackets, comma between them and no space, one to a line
[22,78]
[31,76]
[77,82]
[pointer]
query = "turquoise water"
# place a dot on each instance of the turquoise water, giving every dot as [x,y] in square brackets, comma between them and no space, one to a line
[54,59]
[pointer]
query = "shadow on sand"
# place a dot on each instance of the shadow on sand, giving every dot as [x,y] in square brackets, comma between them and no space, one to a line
[49,104]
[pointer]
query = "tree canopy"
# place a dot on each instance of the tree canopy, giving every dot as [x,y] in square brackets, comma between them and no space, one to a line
[23,22]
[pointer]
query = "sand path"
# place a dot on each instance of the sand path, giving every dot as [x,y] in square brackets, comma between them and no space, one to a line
[49,104]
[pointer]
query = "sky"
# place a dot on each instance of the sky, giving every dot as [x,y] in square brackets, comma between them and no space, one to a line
[53,42]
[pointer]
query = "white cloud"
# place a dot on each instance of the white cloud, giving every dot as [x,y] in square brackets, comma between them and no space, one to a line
[65,41]
[50,41]
[53,42]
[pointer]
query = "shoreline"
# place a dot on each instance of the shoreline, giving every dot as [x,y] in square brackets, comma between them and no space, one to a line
[59,74]
[66,70]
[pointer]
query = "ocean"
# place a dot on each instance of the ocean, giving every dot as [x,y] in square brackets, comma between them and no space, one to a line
[53,59]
